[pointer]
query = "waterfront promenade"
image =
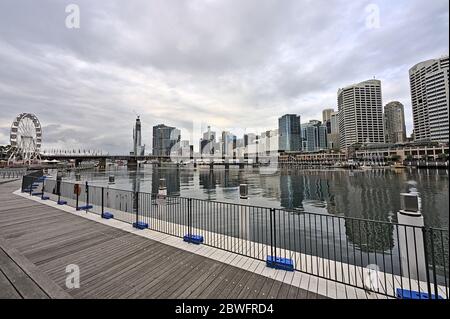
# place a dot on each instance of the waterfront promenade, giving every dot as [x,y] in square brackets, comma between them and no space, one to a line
[38,242]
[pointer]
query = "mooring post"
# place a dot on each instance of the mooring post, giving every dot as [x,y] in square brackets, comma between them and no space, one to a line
[162,192]
[411,239]
[244,215]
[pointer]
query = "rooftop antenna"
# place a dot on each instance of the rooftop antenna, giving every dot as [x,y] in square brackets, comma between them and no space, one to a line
[137,115]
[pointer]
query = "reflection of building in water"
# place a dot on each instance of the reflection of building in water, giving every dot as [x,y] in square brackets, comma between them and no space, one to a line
[135,177]
[228,178]
[208,180]
[370,236]
[291,188]
[271,185]
[172,177]
[366,196]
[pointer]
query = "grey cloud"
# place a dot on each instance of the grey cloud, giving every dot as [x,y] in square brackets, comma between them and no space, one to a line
[229,63]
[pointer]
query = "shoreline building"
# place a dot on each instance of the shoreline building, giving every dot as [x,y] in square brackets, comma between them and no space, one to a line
[165,140]
[360,114]
[228,144]
[314,136]
[208,143]
[289,133]
[326,119]
[138,148]
[394,123]
[429,82]
[333,137]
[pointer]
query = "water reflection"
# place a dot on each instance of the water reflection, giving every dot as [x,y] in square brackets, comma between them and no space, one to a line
[373,194]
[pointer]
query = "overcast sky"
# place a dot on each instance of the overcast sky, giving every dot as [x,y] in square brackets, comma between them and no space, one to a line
[234,64]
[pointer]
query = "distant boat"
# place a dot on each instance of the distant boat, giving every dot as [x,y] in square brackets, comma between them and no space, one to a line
[366,167]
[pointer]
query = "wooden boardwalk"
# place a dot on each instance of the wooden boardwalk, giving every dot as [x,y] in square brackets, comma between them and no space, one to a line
[42,241]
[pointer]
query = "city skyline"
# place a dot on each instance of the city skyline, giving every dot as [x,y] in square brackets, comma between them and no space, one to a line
[84,92]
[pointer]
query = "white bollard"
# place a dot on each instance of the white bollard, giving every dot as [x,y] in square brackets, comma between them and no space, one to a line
[162,192]
[244,219]
[411,243]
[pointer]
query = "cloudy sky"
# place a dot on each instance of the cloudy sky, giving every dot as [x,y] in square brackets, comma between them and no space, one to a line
[235,64]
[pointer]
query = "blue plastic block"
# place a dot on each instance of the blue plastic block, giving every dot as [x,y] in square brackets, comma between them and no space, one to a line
[411,294]
[107,215]
[36,194]
[280,263]
[140,225]
[45,198]
[86,207]
[195,239]
[62,202]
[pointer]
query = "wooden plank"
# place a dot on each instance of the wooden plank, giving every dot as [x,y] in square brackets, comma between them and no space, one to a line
[25,286]
[7,290]
[43,281]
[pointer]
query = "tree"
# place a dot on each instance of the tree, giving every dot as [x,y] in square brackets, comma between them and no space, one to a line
[443,157]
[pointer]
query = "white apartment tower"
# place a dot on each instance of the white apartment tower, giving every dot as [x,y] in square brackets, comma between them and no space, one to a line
[360,114]
[429,82]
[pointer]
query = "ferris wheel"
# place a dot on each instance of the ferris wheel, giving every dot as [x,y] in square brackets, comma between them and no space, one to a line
[25,138]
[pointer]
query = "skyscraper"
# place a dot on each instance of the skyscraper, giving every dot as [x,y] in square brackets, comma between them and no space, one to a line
[333,137]
[290,139]
[228,144]
[138,148]
[314,136]
[361,114]
[208,142]
[394,123]
[326,115]
[429,82]
[326,119]
[165,140]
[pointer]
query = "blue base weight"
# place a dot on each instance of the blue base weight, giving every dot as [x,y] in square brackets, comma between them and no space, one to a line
[140,225]
[36,194]
[194,239]
[280,263]
[62,202]
[410,294]
[45,198]
[86,207]
[107,215]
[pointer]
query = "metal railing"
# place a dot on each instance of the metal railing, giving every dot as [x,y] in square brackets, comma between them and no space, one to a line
[12,173]
[377,256]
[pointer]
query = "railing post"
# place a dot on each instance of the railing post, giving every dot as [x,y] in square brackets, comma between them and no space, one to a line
[433,263]
[136,203]
[103,204]
[58,185]
[77,192]
[87,196]
[190,217]
[272,215]
[424,238]
[43,189]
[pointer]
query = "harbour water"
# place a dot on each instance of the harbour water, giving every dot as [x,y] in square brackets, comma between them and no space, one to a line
[370,194]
